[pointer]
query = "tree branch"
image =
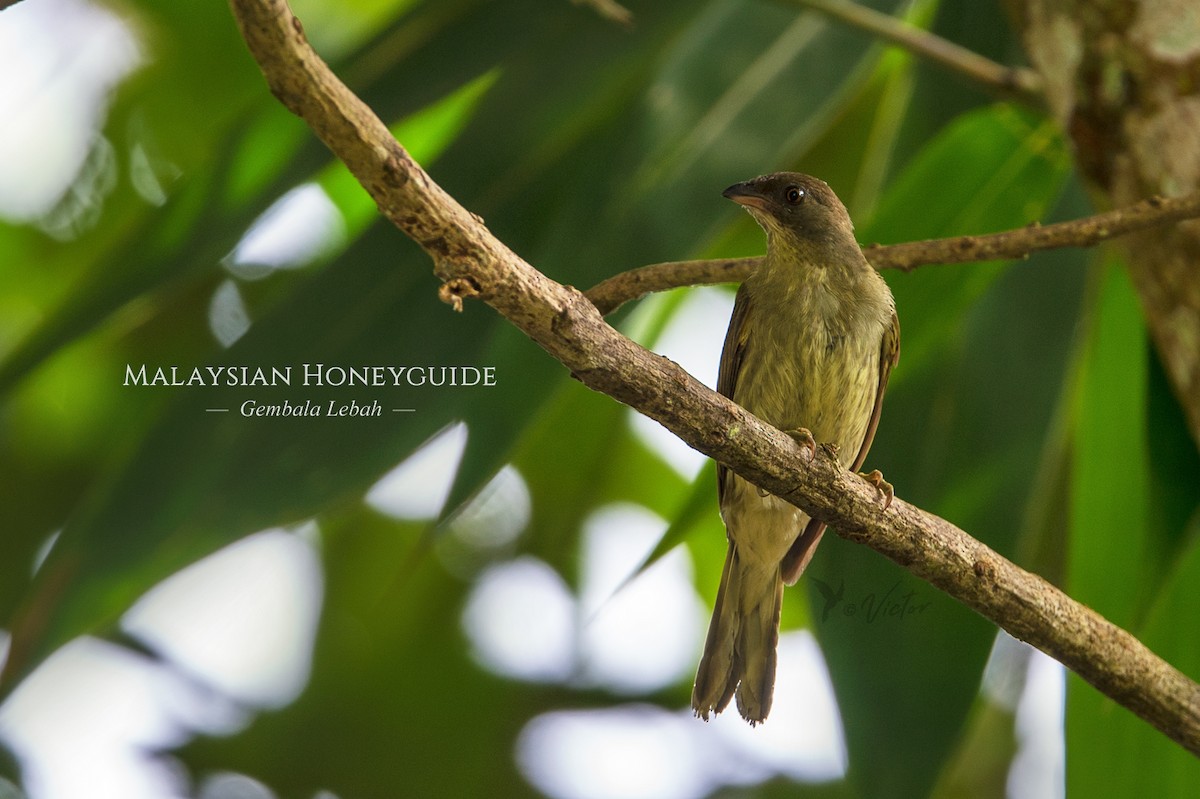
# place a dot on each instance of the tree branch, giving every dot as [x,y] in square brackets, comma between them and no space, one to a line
[610,294]
[1011,83]
[569,328]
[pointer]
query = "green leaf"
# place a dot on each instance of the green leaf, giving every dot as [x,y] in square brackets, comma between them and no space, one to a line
[607,464]
[1008,168]
[1166,769]
[1109,507]
[1122,559]
[425,135]
[697,508]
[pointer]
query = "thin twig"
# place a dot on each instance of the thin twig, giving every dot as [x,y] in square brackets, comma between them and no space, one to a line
[569,328]
[1016,83]
[610,10]
[611,293]
[1019,243]
[1089,231]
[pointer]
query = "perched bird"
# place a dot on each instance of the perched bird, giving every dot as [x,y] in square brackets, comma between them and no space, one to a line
[812,340]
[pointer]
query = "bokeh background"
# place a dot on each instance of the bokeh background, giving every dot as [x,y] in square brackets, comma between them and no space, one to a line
[504,590]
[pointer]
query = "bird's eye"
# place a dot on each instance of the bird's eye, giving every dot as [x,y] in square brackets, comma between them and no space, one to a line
[794,195]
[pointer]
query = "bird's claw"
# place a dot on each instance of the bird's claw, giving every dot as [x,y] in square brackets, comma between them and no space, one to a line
[803,437]
[885,489]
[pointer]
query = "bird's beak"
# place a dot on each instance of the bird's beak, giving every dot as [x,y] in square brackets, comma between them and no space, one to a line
[745,194]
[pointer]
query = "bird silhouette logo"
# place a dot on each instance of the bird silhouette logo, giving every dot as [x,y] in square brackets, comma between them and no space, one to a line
[831,598]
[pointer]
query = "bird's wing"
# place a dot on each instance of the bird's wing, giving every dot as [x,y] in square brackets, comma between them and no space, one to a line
[802,548]
[889,353]
[732,355]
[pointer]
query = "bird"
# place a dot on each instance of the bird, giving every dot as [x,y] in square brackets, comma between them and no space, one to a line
[811,342]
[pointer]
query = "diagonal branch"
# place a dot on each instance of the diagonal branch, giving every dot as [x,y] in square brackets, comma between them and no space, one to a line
[1013,83]
[473,262]
[610,294]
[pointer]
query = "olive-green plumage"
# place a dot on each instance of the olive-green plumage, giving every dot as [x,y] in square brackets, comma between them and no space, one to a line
[812,340]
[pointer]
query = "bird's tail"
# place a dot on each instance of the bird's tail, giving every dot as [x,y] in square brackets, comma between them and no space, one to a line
[739,654]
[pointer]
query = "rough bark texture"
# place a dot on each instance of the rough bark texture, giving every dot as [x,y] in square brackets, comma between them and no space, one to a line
[1123,79]
[472,262]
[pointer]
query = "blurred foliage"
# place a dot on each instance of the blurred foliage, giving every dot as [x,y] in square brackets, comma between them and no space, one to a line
[1028,406]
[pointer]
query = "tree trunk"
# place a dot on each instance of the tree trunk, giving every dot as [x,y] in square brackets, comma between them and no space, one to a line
[1123,79]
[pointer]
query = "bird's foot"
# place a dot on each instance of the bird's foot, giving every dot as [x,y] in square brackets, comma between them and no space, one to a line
[886,492]
[803,437]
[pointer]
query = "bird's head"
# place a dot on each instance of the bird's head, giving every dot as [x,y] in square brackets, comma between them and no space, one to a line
[793,206]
